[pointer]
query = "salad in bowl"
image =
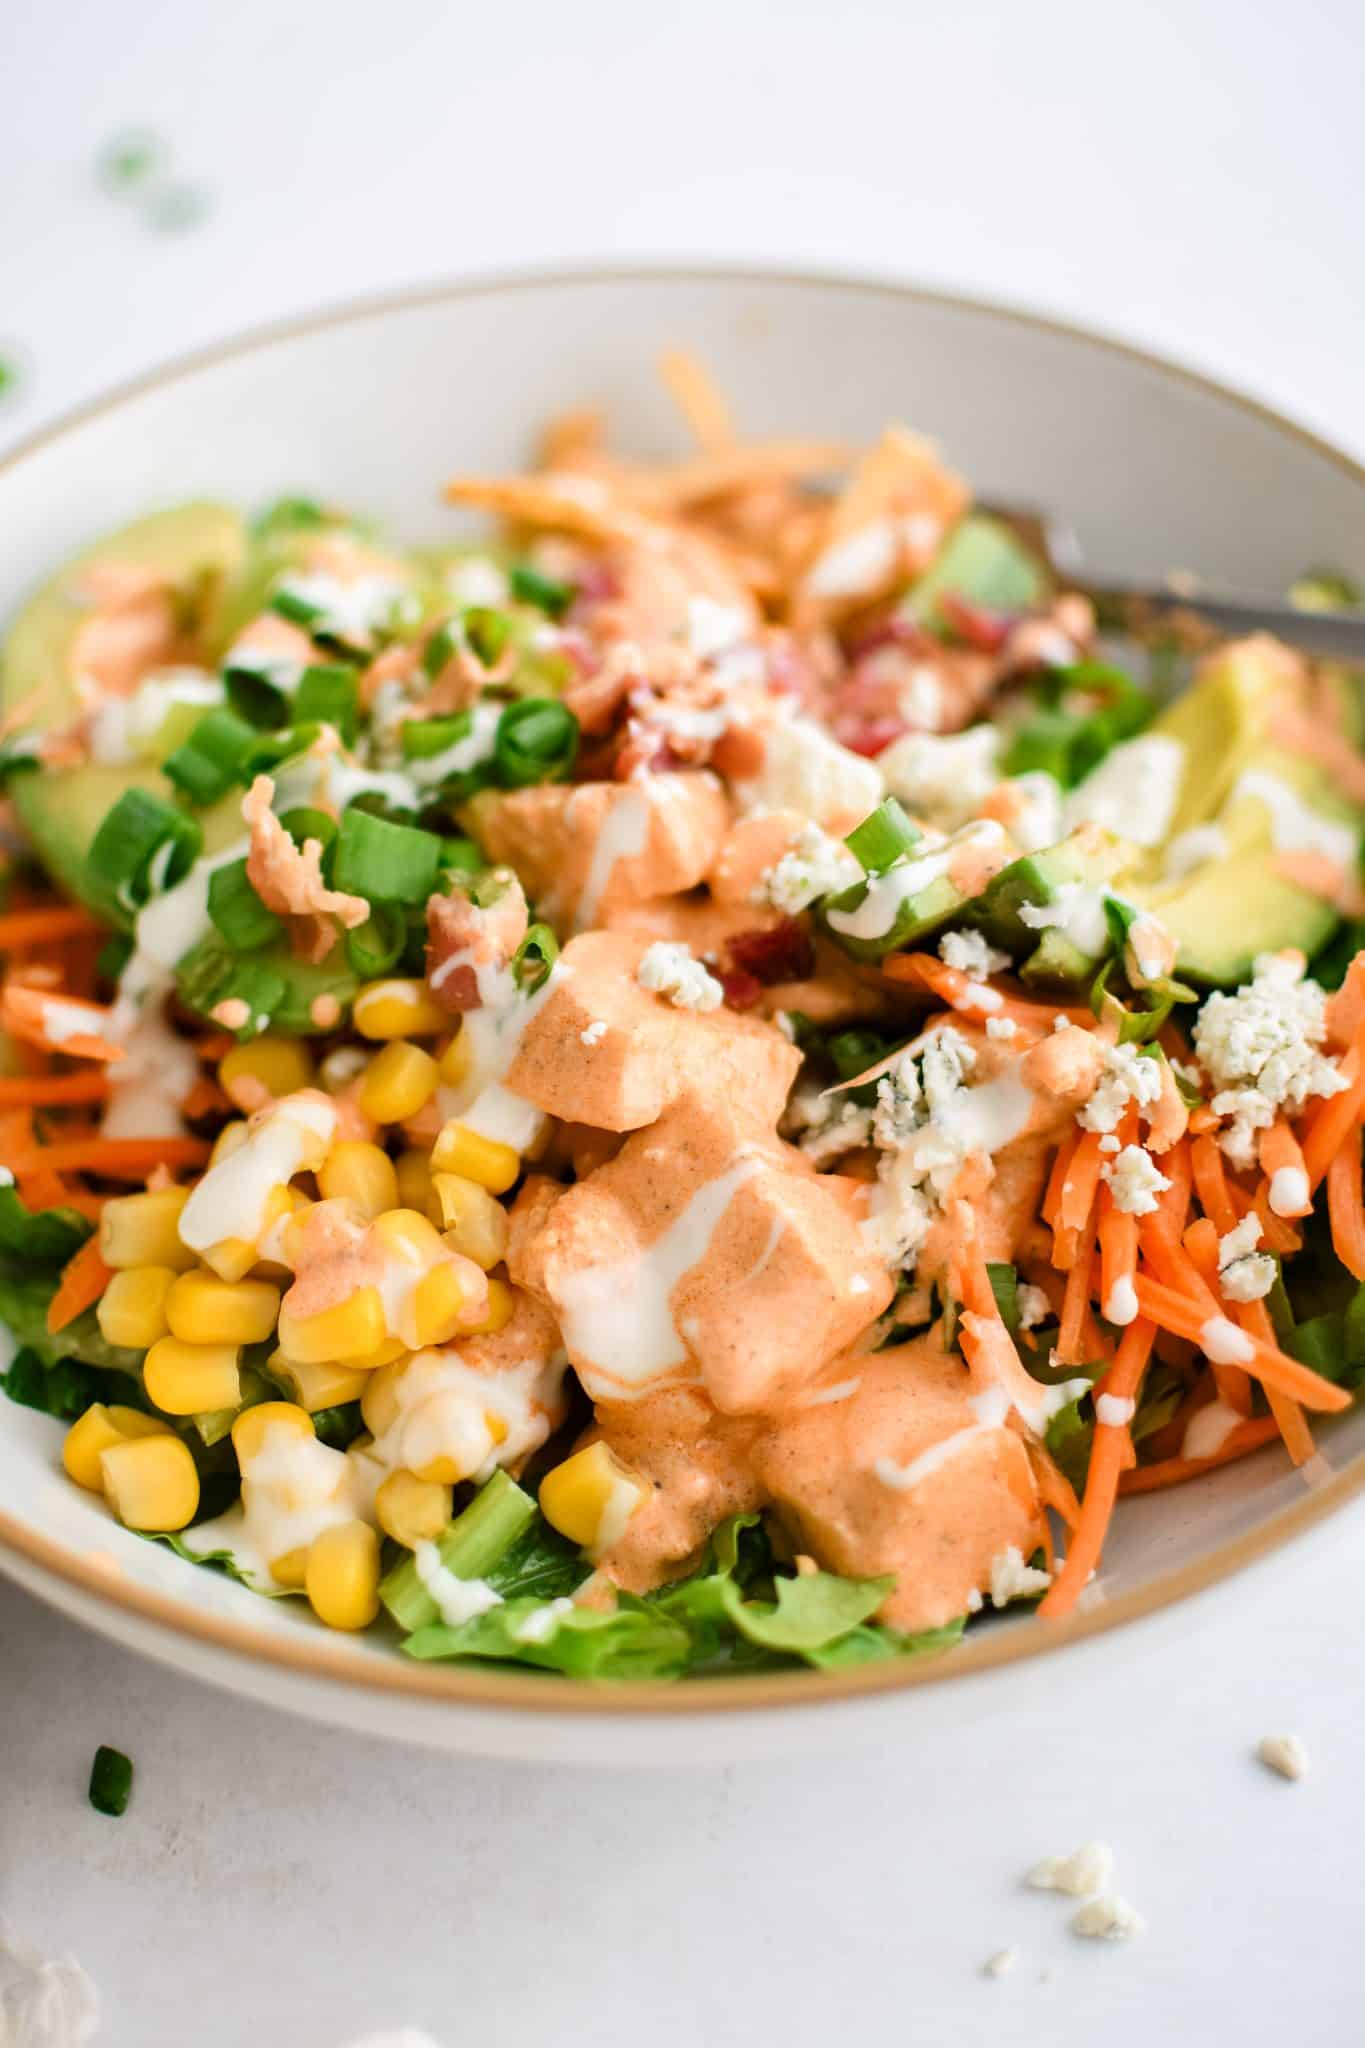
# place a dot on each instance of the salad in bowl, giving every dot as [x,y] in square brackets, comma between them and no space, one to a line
[702,1083]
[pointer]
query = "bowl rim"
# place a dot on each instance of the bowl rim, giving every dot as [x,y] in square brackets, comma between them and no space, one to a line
[321,1656]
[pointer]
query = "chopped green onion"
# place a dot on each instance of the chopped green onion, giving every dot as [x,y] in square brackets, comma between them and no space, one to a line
[537,740]
[376,946]
[173,207]
[1005,1287]
[113,956]
[254,697]
[216,755]
[461,856]
[288,515]
[304,823]
[881,839]
[260,987]
[130,160]
[471,1546]
[486,632]
[126,857]
[237,911]
[386,863]
[424,738]
[18,752]
[111,1781]
[299,611]
[273,747]
[440,650]
[547,593]
[534,960]
[1325,590]
[329,696]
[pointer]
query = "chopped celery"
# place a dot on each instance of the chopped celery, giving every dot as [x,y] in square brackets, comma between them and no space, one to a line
[470,1547]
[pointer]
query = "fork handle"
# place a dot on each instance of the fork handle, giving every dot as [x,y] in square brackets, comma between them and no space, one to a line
[1339,635]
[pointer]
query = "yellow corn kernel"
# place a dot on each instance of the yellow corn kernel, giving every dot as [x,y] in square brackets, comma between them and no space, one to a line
[229,1139]
[398,1009]
[457,1059]
[408,1235]
[475,1223]
[414,1180]
[281,1065]
[248,1431]
[92,1433]
[132,1309]
[191,1379]
[392,1349]
[398,1082]
[342,1575]
[96,1431]
[448,1470]
[379,1402]
[202,1309]
[501,1302]
[442,1302]
[468,1153]
[150,1482]
[318,1384]
[412,1510]
[144,1230]
[290,1570]
[591,1497]
[362,1174]
[232,1258]
[341,1334]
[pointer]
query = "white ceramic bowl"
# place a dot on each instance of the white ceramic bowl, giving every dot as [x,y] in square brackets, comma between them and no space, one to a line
[372,406]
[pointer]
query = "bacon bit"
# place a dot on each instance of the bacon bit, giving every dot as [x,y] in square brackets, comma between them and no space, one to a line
[288,878]
[742,990]
[783,953]
[462,936]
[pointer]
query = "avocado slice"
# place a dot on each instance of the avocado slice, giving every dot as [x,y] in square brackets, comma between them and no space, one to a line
[982,559]
[1089,855]
[1221,720]
[200,548]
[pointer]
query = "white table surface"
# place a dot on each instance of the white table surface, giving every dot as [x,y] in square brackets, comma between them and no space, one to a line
[1187,175]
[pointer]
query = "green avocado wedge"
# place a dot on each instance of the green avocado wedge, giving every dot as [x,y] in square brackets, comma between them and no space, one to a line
[200,548]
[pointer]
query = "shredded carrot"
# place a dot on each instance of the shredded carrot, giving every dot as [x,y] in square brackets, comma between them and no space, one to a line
[1118,1248]
[1338,1115]
[116,1158]
[1203,1119]
[50,1091]
[1061,1164]
[1246,1437]
[1186,1318]
[1254,1318]
[1173,1202]
[84,1279]
[1277,1232]
[1174,1267]
[1076,1304]
[1211,1184]
[1081,1182]
[1279,1152]
[1201,1243]
[1346,1208]
[205,1098]
[45,1018]
[23,928]
[961,993]
[1110,1452]
[1346,1009]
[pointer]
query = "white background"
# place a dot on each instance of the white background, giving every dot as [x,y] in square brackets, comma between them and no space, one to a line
[1184,175]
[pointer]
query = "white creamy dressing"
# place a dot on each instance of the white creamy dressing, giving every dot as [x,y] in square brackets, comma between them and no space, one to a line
[1295,827]
[230,1201]
[462,755]
[457,1600]
[714,628]
[1222,1343]
[1076,911]
[1208,1429]
[541,1623]
[1289,1191]
[856,563]
[444,1408]
[1121,1305]
[125,728]
[493,1034]
[824,1397]
[1194,849]
[293,1489]
[624,836]
[148,1085]
[1114,1411]
[617,1317]
[348,608]
[990,1408]
[44,2002]
[326,779]
[876,915]
[1134,790]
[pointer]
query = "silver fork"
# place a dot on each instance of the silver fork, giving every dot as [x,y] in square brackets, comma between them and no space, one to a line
[1338,634]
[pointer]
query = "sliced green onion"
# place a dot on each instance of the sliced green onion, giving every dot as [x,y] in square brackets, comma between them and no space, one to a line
[273,747]
[329,695]
[386,863]
[300,611]
[461,856]
[440,649]
[288,515]
[424,738]
[113,956]
[533,962]
[375,947]
[126,855]
[486,631]
[215,757]
[304,823]
[547,593]
[261,988]
[537,740]
[20,751]
[254,697]
[129,160]
[883,837]
[1005,1287]
[111,1781]
[237,911]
